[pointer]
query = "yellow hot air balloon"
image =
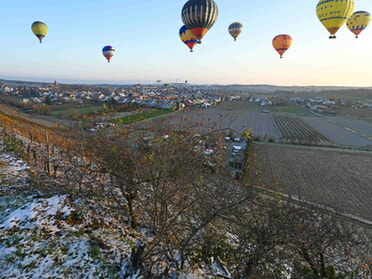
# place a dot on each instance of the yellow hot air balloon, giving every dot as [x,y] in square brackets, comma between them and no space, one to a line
[40,29]
[235,29]
[334,13]
[358,21]
[282,43]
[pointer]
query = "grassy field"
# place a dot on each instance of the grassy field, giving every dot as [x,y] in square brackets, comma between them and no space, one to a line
[69,111]
[139,116]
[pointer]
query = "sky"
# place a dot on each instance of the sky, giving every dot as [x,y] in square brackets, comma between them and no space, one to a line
[145,35]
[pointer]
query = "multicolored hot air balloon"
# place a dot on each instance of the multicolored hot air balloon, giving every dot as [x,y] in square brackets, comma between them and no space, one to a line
[108,52]
[282,43]
[199,16]
[188,37]
[235,29]
[40,29]
[334,13]
[358,21]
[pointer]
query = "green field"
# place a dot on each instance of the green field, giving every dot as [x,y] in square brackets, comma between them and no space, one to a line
[139,116]
[75,110]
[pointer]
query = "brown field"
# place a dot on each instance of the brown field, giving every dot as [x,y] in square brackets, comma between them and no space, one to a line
[284,124]
[343,131]
[363,113]
[336,178]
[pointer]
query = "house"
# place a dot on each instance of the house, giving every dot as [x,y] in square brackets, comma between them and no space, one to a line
[265,102]
[5,89]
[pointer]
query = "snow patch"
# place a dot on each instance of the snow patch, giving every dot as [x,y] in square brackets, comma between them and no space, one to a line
[38,214]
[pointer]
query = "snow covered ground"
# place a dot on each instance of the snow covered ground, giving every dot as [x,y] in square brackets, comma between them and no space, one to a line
[46,236]
[43,235]
[13,174]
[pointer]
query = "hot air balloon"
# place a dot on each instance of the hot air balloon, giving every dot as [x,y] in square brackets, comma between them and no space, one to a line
[40,29]
[334,13]
[358,21]
[235,29]
[188,37]
[199,16]
[108,52]
[282,43]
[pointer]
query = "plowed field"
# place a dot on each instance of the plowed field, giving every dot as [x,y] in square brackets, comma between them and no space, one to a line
[336,178]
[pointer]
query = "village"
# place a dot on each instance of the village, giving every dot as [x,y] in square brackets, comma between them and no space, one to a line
[161,96]
[169,96]
[329,106]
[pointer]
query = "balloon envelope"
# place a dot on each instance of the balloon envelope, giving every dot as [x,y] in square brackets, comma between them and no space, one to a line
[334,13]
[188,37]
[108,52]
[235,29]
[358,21]
[282,43]
[199,16]
[40,29]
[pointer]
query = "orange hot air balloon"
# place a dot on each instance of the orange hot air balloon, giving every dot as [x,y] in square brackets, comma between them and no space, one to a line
[282,43]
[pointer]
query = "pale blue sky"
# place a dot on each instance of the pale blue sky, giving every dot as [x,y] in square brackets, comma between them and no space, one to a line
[148,48]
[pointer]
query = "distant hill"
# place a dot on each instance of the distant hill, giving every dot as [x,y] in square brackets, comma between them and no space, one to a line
[232,88]
[15,83]
[267,88]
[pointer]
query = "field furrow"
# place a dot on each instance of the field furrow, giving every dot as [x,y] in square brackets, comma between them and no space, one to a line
[333,177]
[295,129]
